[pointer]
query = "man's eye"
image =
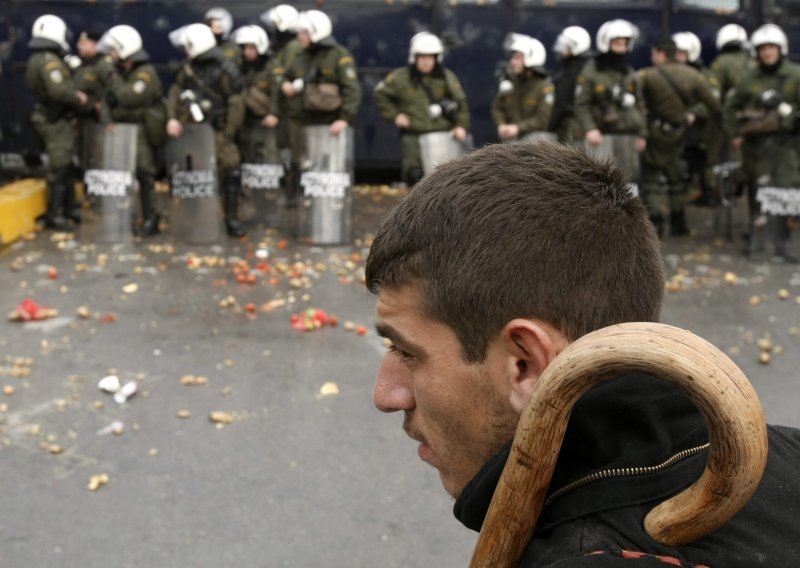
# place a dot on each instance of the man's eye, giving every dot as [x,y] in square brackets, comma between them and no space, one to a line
[399,352]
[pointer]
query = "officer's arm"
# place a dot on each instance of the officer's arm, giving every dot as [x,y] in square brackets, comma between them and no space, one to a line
[540,120]
[60,87]
[583,104]
[385,96]
[459,96]
[706,96]
[136,94]
[350,88]
[640,107]
[734,103]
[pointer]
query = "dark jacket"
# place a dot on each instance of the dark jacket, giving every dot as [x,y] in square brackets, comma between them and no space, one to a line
[564,81]
[638,421]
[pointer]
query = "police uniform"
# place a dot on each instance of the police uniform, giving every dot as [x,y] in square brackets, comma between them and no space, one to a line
[217,84]
[669,91]
[528,104]
[600,98]
[405,90]
[131,95]
[702,140]
[257,143]
[49,81]
[770,146]
[729,67]
[290,112]
[562,120]
[321,65]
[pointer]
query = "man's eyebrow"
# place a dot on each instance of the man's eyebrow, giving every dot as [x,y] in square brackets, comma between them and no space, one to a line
[390,333]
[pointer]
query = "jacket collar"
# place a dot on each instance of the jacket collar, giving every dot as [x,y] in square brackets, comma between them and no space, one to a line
[632,421]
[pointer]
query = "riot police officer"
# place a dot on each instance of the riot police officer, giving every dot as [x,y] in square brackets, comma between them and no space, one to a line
[133,96]
[257,138]
[524,100]
[280,21]
[607,98]
[761,114]
[91,70]
[221,23]
[49,81]
[670,90]
[217,84]
[572,47]
[701,142]
[323,76]
[422,97]
[733,59]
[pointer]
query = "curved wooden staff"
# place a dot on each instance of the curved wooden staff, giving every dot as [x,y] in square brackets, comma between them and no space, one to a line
[733,414]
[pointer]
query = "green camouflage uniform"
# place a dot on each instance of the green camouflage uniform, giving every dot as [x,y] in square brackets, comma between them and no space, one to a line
[257,143]
[769,151]
[529,104]
[218,85]
[598,101]
[290,112]
[406,91]
[49,81]
[669,90]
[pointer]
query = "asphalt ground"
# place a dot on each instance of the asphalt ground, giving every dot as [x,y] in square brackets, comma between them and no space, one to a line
[303,471]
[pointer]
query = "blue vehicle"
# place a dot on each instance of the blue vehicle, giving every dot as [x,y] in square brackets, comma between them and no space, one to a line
[377,32]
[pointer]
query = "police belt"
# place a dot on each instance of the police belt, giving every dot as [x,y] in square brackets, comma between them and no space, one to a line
[665,125]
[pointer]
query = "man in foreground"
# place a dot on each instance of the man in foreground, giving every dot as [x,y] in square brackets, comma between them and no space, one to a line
[491,266]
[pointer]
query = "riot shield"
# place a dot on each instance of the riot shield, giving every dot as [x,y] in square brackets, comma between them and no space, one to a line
[109,177]
[777,197]
[325,214]
[192,168]
[622,149]
[439,147]
[262,172]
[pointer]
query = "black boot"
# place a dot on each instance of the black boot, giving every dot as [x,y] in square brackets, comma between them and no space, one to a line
[677,224]
[72,209]
[150,218]
[56,190]
[293,186]
[233,181]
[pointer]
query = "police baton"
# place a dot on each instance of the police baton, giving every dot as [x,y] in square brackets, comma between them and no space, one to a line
[734,417]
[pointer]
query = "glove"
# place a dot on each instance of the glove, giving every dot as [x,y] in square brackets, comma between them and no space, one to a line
[628,100]
[785,109]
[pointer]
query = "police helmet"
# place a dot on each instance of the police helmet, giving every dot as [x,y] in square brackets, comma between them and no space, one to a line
[574,38]
[223,17]
[252,35]
[731,33]
[615,29]
[124,39]
[770,34]
[282,18]
[533,52]
[425,43]
[690,43]
[316,23]
[51,28]
[198,39]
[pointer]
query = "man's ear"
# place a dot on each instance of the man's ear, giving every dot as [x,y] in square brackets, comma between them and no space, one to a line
[531,345]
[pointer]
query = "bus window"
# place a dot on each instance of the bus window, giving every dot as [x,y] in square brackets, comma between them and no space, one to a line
[716,6]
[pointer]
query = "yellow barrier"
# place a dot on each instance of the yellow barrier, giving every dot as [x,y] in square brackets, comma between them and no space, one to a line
[21,202]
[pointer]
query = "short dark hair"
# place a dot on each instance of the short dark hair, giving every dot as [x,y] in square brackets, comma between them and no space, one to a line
[667,46]
[522,230]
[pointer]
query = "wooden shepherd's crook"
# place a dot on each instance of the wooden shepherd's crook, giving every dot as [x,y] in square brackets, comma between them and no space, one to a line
[735,420]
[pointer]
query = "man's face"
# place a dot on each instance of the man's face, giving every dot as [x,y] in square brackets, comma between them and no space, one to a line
[769,54]
[425,63]
[86,47]
[618,45]
[657,57]
[517,63]
[304,39]
[682,56]
[216,27]
[249,52]
[459,412]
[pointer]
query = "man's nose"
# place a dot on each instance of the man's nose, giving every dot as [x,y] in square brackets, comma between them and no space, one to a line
[392,386]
